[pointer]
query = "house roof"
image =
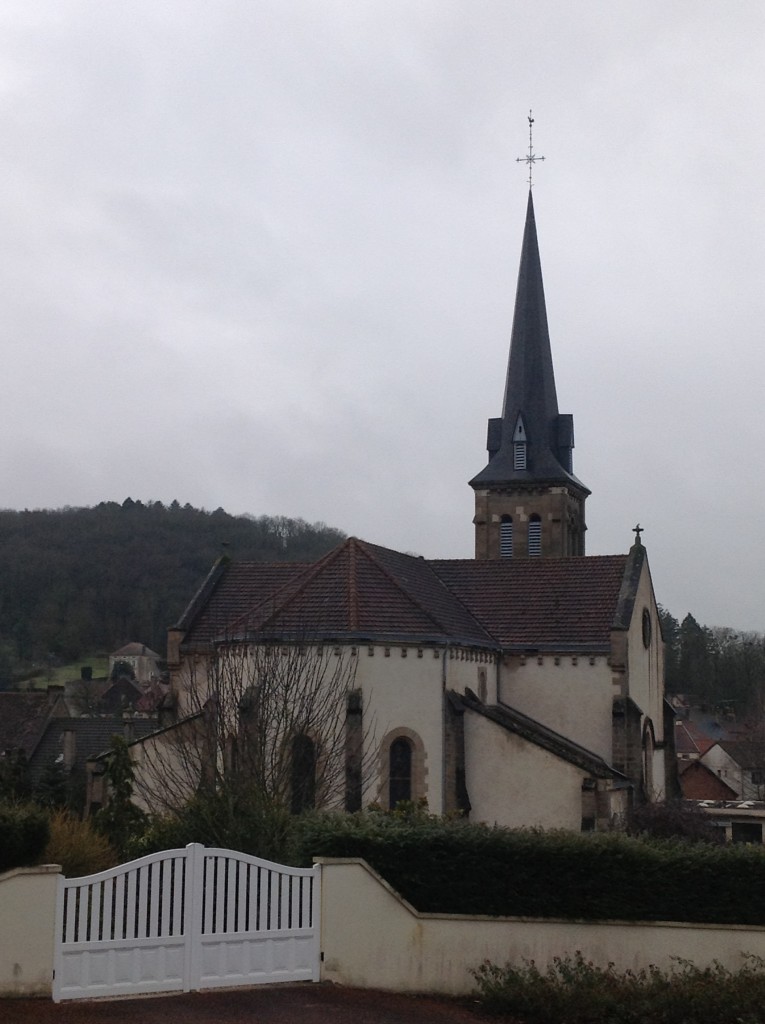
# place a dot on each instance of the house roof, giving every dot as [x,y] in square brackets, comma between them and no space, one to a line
[748,753]
[135,650]
[93,735]
[691,740]
[697,782]
[362,590]
[528,728]
[23,717]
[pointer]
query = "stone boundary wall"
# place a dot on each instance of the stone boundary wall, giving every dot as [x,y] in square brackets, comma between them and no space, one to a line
[372,938]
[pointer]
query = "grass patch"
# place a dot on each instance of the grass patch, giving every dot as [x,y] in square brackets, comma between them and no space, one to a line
[60,674]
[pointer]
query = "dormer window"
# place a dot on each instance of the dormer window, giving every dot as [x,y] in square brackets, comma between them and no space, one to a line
[519,445]
[506,537]
[535,536]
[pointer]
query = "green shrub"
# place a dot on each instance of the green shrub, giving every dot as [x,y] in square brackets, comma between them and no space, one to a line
[221,821]
[77,847]
[576,991]
[24,831]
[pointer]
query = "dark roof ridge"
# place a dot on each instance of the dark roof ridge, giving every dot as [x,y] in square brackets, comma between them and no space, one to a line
[575,559]
[366,547]
[287,591]
[203,594]
[625,605]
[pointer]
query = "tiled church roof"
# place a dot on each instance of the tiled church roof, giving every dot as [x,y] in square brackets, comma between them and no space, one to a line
[540,602]
[365,591]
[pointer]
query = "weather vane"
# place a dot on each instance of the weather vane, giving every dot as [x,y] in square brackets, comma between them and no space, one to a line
[531,158]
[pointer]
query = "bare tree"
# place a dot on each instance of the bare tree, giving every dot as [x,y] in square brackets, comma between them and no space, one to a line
[272,726]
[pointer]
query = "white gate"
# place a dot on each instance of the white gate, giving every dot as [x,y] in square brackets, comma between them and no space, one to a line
[183,920]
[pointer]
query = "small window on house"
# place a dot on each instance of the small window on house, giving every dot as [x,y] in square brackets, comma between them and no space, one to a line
[746,832]
[535,535]
[400,772]
[519,455]
[506,537]
[303,774]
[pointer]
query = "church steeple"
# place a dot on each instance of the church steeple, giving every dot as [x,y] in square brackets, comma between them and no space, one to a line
[528,501]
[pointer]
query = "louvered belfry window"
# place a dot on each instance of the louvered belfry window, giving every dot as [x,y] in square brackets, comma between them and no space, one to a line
[506,537]
[535,535]
[519,455]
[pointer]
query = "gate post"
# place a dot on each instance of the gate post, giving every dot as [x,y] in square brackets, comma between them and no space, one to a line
[58,940]
[194,884]
[316,922]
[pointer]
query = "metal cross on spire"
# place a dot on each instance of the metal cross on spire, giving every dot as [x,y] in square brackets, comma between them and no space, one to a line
[531,158]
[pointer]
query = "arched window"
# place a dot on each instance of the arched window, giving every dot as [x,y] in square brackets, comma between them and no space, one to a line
[303,774]
[506,537]
[649,745]
[400,771]
[535,535]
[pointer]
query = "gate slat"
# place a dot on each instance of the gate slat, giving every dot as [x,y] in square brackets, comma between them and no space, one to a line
[220,894]
[143,873]
[165,925]
[82,917]
[95,900]
[284,900]
[264,878]
[130,918]
[106,921]
[306,887]
[179,874]
[231,882]
[119,907]
[153,901]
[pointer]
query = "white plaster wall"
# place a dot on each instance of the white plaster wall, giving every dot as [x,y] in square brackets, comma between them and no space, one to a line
[513,782]
[166,768]
[401,688]
[645,674]
[27,917]
[723,765]
[572,697]
[371,938]
[408,691]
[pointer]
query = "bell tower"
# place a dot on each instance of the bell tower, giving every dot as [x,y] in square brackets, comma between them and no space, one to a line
[528,503]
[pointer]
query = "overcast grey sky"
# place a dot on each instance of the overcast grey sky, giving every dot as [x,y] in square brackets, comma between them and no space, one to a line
[261,254]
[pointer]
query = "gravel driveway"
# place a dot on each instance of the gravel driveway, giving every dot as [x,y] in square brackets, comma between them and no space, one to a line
[269,1004]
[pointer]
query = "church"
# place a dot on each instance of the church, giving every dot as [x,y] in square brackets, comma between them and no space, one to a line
[523,687]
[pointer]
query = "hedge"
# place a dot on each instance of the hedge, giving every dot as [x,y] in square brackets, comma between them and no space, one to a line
[443,866]
[24,832]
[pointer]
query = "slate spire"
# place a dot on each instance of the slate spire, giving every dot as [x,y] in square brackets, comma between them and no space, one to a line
[530,414]
[528,490]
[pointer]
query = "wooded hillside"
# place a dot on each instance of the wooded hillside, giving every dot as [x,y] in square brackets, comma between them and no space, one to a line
[75,581]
